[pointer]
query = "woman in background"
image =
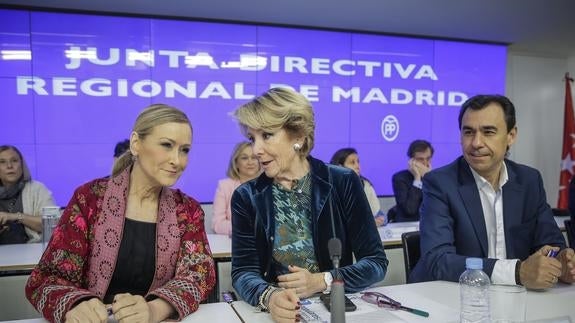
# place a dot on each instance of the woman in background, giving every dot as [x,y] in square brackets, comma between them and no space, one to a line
[129,244]
[282,220]
[348,157]
[21,199]
[243,166]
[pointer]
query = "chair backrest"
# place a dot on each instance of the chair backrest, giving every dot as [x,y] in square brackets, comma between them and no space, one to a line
[560,212]
[569,231]
[411,250]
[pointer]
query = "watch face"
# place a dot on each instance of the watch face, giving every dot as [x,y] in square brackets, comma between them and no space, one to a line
[327,278]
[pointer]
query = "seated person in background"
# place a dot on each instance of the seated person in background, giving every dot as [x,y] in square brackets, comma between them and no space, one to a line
[243,166]
[21,199]
[129,243]
[120,148]
[282,220]
[484,205]
[407,183]
[347,157]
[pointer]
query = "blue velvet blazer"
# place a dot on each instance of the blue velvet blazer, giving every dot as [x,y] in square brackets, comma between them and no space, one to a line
[253,227]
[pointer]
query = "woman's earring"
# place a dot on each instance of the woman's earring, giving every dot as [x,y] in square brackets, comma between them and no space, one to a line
[297,146]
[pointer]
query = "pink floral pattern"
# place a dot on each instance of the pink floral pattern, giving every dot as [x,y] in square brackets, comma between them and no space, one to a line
[66,273]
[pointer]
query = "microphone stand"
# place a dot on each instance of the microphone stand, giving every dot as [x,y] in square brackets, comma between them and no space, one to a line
[337,294]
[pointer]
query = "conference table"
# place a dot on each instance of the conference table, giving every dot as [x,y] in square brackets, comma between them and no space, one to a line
[214,312]
[21,258]
[439,298]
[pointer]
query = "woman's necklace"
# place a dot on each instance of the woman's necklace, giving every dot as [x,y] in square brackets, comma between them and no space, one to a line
[297,201]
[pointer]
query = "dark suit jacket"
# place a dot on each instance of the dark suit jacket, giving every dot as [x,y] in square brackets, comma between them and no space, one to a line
[253,228]
[407,197]
[452,225]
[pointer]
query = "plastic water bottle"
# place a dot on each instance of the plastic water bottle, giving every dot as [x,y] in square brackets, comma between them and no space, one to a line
[474,289]
[50,218]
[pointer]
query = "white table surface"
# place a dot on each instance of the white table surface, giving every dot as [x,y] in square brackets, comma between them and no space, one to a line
[25,256]
[391,233]
[221,245]
[20,256]
[214,312]
[441,300]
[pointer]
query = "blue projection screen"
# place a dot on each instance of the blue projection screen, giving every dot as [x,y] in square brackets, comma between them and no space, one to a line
[73,84]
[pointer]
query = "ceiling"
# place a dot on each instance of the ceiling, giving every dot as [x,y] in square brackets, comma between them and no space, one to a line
[532,26]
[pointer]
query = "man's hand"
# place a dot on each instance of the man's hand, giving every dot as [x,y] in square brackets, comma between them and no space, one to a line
[417,169]
[540,271]
[413,169]
[567,259]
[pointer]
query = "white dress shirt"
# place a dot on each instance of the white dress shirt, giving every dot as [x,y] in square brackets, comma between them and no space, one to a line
[492,205]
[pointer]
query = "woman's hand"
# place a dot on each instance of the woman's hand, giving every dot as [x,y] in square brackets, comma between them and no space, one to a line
[92,311]
[130,308]
[284,306]
[6,217]
[302,281]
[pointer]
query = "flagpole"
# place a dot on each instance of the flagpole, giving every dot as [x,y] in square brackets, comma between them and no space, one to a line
[568,151]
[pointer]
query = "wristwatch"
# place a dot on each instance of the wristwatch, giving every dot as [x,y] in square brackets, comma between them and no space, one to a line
[328,279]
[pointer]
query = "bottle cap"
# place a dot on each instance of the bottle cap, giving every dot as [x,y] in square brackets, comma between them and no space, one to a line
[474,263]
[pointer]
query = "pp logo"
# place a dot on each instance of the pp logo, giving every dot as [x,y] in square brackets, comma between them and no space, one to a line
[389,128]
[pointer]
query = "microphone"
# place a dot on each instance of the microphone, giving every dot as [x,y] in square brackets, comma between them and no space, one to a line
[337,294]
[334,248]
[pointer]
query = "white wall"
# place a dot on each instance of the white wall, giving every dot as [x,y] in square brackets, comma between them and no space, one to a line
[535,85]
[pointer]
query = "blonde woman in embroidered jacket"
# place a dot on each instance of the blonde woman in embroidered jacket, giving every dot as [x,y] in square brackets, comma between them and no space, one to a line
[129,245]
[21,199]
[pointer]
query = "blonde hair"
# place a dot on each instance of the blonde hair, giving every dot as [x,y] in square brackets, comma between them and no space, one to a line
[280,108]
[25,170]
[150,117]
[233,171]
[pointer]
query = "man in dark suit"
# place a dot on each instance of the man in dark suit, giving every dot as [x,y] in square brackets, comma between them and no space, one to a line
[483,205]
[407,183]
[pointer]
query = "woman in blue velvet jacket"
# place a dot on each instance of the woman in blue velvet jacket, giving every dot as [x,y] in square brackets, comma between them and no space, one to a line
[283,219]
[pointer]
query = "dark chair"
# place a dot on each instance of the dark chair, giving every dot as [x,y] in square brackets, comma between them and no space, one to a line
[560,212]
[569,231]
[391,213]
[411,250]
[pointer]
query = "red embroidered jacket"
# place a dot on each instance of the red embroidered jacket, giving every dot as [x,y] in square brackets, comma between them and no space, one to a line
[81,256]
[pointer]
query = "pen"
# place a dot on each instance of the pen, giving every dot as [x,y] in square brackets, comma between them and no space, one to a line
[414,311]
[552,253]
